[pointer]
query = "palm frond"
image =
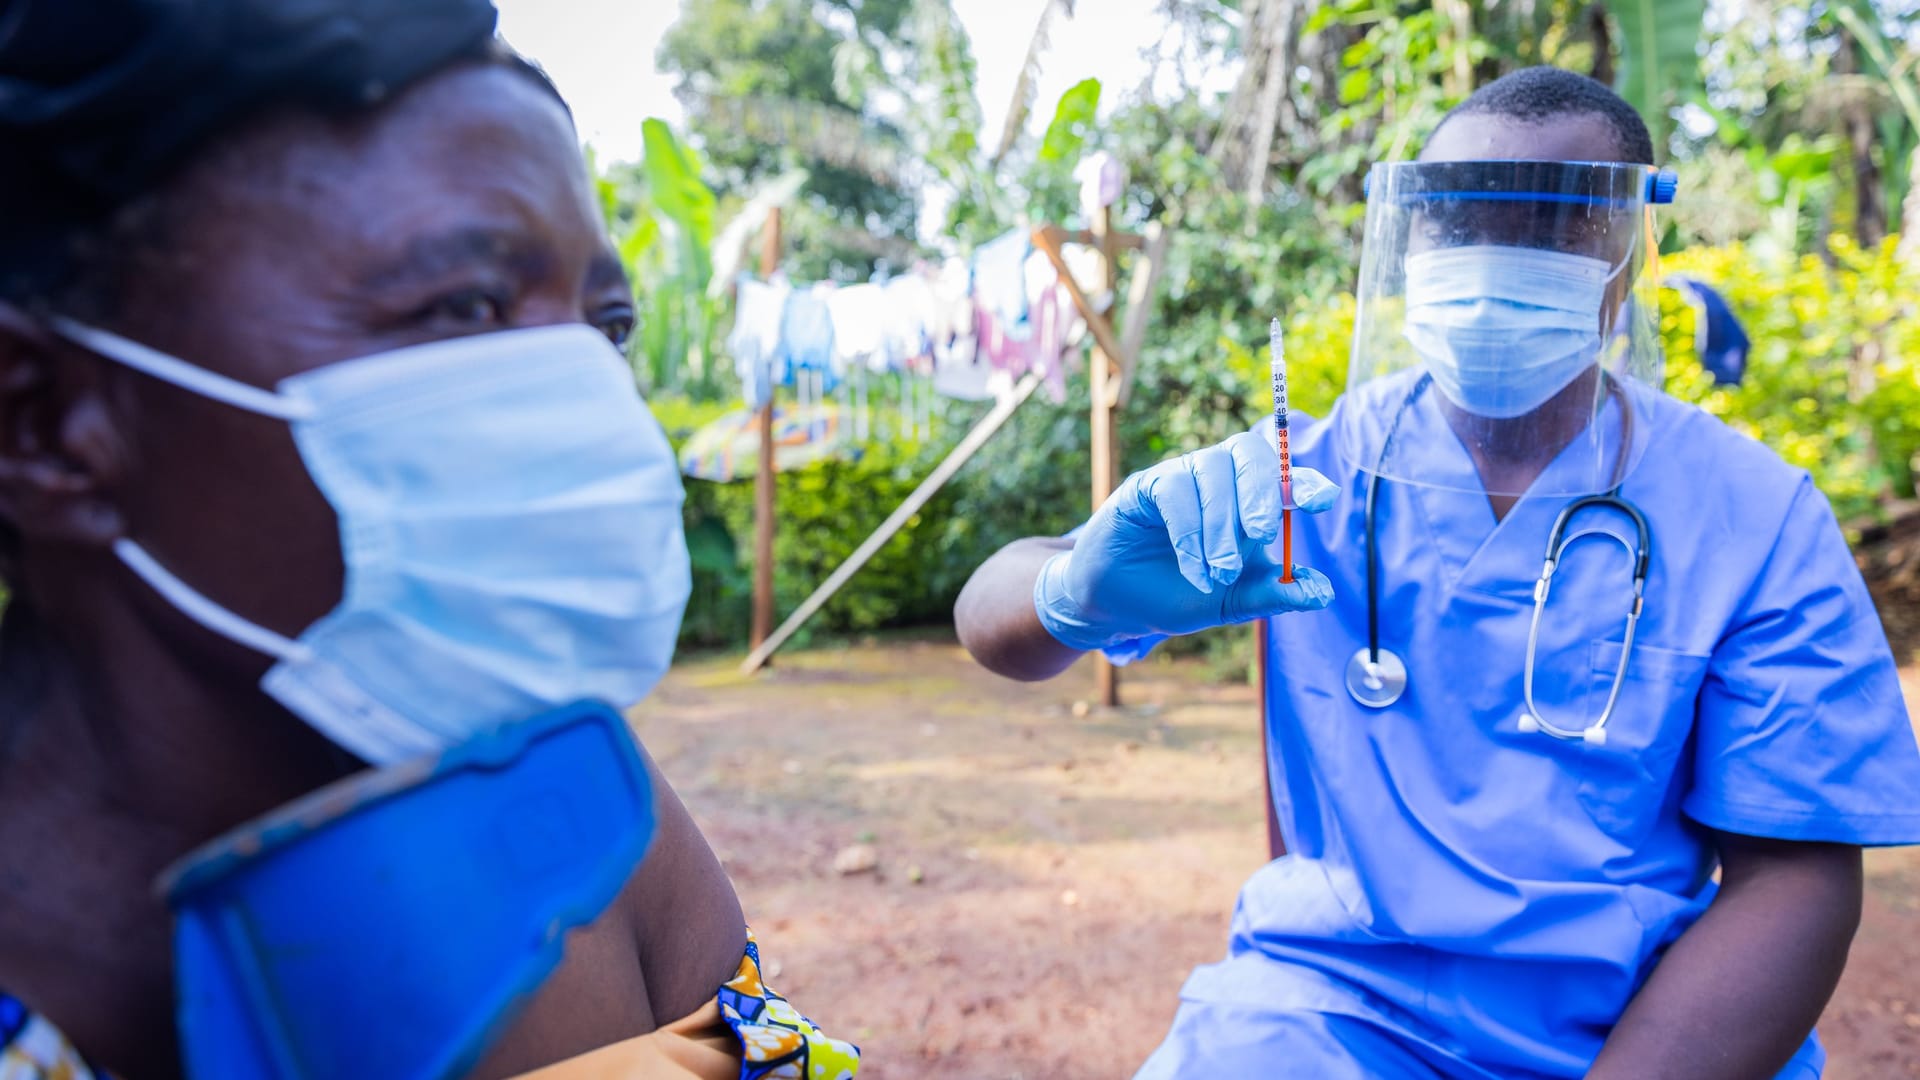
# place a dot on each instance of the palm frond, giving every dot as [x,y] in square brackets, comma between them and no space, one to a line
[1027,87]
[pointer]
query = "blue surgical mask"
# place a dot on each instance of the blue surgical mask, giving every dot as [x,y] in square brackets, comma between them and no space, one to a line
[510,521]
[1504,329]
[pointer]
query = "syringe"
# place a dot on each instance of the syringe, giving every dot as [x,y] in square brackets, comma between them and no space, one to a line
[1279,355]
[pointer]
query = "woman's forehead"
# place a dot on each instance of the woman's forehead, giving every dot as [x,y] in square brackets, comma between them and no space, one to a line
[478,150]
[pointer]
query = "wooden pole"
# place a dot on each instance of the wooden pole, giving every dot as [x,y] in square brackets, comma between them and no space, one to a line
[1148,266]
[1276,845]
[1107,373]
[1106,456]
[1050,242]
[977,438]
[763,478]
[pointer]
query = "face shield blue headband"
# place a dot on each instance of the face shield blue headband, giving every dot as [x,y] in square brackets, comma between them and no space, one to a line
[510,522]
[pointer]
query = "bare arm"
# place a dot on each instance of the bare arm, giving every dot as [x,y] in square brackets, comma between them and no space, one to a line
[1736,996]
[1178,548]
[995,616]
[662,950]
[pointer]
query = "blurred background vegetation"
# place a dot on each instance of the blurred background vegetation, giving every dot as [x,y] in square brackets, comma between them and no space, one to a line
[1795,128]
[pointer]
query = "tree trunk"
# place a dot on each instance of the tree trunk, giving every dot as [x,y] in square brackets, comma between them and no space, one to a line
[1869,189]
[1910,225]
[1458,81]
[1273,91]
[1602,32]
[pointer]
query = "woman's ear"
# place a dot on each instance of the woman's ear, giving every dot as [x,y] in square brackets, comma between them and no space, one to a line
[61,455]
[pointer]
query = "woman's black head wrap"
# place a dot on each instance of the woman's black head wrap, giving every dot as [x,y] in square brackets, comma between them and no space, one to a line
[101,99]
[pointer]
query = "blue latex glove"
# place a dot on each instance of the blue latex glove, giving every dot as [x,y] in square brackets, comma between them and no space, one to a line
[1182,547]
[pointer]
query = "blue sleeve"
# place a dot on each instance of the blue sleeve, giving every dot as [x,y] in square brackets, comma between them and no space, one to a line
[1127,651]
[1801,732]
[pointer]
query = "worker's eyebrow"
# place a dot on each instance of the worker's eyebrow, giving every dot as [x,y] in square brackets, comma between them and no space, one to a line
[434,256]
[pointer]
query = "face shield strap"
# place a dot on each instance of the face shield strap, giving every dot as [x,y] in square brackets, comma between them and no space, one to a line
[1565,182]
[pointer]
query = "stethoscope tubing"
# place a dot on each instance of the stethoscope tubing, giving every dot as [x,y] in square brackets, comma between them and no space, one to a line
[1557,541]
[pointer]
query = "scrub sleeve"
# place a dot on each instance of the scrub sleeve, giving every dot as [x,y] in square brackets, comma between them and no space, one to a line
[1801,731]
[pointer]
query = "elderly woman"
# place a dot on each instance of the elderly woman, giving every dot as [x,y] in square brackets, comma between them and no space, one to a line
[261,263]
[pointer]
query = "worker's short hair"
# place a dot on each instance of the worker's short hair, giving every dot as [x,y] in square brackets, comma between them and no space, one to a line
[1536,94]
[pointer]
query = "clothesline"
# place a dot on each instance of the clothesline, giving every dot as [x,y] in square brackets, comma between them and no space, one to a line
[971,328]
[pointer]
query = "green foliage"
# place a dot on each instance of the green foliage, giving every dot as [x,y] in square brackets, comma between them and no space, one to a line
[1319,341]
[947,111]
[1398,79]
[1659,66]
[1781,71]
[773,85]
[825,511]
[1066,135]
[667,248]
[1833,382]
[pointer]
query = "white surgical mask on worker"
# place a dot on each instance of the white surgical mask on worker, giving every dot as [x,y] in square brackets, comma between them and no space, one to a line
[510,522]
[1504,329]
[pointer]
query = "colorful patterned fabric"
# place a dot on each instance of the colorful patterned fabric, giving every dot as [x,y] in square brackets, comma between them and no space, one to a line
[32,1049]
[779,1043]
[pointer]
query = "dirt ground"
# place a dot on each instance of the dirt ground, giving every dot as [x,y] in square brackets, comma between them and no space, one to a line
[1045,876]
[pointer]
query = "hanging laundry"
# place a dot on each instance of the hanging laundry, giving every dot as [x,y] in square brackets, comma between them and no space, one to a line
[728,448]
[1717,335]
[806,333]
[911,312]
[1000,282]
[860,327]
[953,302]
[758,311]
[1056,325]
[1102,178]
[954,329]
[1004,353]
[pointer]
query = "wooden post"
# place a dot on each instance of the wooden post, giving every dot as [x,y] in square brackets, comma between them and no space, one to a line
[1276,845]
[763,478]
[903,513]
[1106,455]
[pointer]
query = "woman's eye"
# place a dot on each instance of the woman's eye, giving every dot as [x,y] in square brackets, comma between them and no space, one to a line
[471,309]
[618,326]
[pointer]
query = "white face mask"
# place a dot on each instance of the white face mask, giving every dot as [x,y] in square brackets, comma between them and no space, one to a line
[510,522]
[1504,329]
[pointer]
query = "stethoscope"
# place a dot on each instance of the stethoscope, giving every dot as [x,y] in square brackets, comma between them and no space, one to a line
[1376,676]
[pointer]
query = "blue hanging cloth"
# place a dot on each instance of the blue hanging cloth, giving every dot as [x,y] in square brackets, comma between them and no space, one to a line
[1719,338]
[806,336]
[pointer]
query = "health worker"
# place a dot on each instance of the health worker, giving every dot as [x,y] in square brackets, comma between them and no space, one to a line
[1582,714]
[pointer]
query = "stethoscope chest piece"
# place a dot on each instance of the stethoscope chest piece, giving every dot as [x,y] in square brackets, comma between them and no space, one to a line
[1376,683]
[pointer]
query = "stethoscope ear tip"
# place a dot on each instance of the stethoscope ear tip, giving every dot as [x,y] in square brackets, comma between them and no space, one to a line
[1530,724]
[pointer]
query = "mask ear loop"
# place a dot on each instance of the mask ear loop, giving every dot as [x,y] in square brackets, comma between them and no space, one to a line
[177,372]
[204,611]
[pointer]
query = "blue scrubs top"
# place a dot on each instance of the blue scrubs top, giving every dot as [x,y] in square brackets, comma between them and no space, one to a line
[1486,902]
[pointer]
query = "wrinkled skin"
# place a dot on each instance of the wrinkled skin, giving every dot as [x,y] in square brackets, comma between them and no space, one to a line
[131,734]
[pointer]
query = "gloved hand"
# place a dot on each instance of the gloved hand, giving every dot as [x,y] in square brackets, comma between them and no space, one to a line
[1181,547]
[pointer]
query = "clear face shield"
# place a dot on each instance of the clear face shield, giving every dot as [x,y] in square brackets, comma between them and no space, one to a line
[1504,332]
